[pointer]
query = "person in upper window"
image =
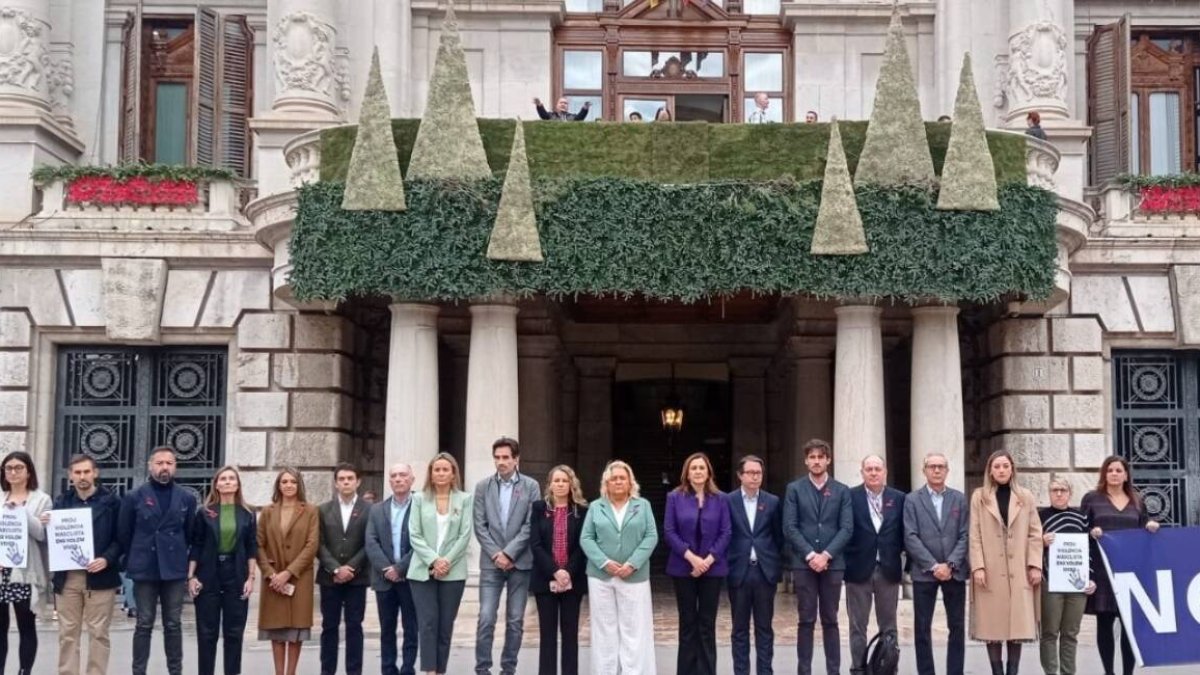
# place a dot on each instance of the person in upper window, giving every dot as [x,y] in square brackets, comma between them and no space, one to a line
[810,117]
[635,116]
[760,115]
[561,112]
[662,115]
[1034,123]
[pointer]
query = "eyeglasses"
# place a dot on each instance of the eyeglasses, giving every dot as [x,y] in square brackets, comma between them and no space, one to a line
[751,473]
[1059,490]
[14,468]
[936,467]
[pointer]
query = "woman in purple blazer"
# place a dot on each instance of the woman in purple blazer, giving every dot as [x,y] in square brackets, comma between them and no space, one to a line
[697,528]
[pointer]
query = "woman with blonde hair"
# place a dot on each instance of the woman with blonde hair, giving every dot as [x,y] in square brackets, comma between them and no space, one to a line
[288,536]
[618,536]
[439,530]
[222,564]
[1005,554]
[559,577]
[697,527]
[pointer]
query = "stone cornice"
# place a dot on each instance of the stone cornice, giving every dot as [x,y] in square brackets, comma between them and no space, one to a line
[207,249]
[1128,254]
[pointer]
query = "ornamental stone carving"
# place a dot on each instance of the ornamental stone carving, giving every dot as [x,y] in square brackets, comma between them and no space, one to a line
[1000,81]
[1038,66]
[23,56]
[304,54]
[60,78]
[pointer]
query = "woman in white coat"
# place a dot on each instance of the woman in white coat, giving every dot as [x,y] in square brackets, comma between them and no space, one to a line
[22,587]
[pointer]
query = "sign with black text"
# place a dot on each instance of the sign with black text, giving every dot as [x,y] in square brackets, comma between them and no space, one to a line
[1069,560]
[14,537]
[69,539]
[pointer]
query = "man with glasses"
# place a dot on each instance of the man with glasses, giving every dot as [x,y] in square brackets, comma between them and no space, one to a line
[755,565]
[935,537]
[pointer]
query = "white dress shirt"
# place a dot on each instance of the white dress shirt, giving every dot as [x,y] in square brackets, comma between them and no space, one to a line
[347,508]
[751,506]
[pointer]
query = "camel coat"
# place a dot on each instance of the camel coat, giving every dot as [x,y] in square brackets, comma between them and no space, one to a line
[293,550]
[1008,609]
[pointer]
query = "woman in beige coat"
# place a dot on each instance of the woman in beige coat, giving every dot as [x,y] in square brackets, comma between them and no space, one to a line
[288,536]
[1006,563]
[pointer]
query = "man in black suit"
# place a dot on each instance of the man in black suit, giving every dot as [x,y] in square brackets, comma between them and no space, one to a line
[342,571]
[390,551]
[873,567]
[818,524]
[755,564]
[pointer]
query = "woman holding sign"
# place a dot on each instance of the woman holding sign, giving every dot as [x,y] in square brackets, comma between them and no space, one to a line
[1061,612]
[22,570]
[1113,505]
[1006,563]
[221,570]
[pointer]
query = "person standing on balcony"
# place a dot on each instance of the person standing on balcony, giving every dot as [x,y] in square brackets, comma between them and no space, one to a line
[501,509]
[755,565]
[1033,125]
[343,573]
[760,115]
[818,523]
[153,529]
[562,112]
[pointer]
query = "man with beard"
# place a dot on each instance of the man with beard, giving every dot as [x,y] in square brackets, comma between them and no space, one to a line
[152,529]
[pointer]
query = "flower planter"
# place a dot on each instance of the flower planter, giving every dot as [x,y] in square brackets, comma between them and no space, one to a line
[1167,199]
[108,191]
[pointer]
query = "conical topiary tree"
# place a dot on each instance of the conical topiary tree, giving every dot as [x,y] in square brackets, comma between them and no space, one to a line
[515,234]
[896,150]
[839,228]
[448,144]
[373,180]
[968,175]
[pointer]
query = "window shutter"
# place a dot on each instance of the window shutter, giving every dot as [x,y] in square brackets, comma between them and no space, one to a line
[1109,90]
[236,44]
[131,68]
[204,112]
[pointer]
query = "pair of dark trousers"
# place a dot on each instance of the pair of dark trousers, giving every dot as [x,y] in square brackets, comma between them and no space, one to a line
[954,600]
[885,594]
[148,595]
[818,595]
[1104,642]
[697,599]
[558,613]
[221,613]
[353,601]
[27,627]
[754,598]
[397,601]
[437,607]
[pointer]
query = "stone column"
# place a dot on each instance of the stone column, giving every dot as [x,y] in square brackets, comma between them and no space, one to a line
[303,41]
[595,419]
[411,431]
[811,399]
[540,403]
[492,393]
[936,400]
[1040,47]
[393,37]
[61,66]
[952,34]
[858,411]
[25,80]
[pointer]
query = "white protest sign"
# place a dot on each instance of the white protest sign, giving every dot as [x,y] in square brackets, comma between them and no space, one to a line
[14,537]
[69,539]
[1068,571]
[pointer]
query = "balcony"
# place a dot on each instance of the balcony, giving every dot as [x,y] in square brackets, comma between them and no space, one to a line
[1126,212]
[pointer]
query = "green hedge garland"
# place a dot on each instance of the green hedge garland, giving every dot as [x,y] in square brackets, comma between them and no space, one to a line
[1136,182]
[68,172]
[624,237]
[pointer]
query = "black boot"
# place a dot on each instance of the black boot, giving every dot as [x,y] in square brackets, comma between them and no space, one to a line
[997,668]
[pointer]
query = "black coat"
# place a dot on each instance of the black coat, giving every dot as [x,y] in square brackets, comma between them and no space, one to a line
[866,543]
[205,539]
[155,541]
[541,542]
[105,509]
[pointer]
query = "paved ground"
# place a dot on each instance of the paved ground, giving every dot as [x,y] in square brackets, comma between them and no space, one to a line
[257,655]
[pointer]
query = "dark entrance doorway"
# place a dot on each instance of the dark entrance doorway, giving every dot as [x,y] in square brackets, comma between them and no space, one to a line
[656,455]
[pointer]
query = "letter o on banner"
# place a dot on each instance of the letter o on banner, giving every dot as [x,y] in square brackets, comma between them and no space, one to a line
[1193,598]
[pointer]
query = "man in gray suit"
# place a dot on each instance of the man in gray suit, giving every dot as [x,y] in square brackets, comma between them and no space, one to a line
[818,523]
[502,505]
[389,551]
[935,538]
[342,571]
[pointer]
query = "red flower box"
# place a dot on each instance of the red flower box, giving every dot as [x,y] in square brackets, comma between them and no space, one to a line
[1168,199]
[137,191]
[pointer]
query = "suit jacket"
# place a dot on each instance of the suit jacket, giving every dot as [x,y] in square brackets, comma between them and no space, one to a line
[632,543]
[512,537]
[156,541]
[766,537]
[541,542]
[105,509]
[930,541]
[294,549]
[887,544]
[422,532]
[343,546]
[818,522]
[381,549]
[683,535]
[206,541]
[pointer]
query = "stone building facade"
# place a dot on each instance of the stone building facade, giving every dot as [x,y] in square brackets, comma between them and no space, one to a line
[126,327]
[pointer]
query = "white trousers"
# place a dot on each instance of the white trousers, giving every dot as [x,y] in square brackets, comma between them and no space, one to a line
[622,627]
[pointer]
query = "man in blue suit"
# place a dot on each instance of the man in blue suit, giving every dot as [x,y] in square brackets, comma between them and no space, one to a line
[390,551]
[152,529]
[873,568]
[818,524]
[755,563]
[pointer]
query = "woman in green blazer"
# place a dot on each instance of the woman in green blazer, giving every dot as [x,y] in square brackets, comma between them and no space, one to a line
[618,537]
[439,529]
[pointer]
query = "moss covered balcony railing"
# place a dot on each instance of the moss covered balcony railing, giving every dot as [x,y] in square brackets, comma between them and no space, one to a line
[671,211]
